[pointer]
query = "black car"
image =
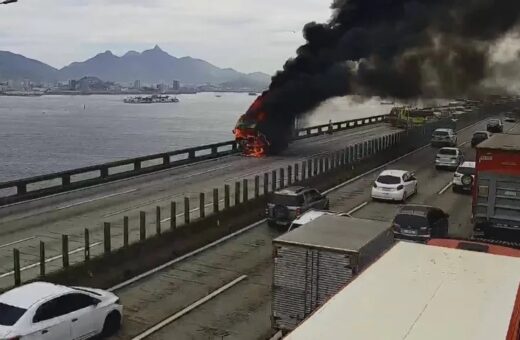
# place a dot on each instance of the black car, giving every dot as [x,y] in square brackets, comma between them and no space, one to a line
[285,205]
[419,223]
[479,137]
[495,125]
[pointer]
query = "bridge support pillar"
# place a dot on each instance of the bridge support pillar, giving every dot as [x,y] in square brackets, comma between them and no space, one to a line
[237,193]
[158,220]
[173,215]
[107,238]
[202,205]
[42,259]
[86,250]
[245,190]
[65,250]
[186,210]
[215,201]
[142,225]
[227,195]
[16,266]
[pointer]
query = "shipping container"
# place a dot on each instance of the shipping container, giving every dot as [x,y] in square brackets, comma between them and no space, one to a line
[496,193]
[313,262]
[422,292]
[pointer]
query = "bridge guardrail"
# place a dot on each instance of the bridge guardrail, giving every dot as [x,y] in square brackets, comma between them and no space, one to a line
[44,185]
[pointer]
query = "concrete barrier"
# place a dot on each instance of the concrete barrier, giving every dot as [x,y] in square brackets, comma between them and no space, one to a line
[44,185]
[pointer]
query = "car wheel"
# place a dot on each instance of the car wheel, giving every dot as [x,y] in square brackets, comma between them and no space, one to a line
[327,205]
[404,197]
[112,324]
[272,224]
[416,189]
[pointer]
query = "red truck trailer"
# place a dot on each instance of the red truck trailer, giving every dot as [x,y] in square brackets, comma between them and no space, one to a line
[496,191]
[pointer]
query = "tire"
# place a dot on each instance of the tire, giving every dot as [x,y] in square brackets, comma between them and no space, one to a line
[272,224]
[416,189]
[112,324]
[403,200]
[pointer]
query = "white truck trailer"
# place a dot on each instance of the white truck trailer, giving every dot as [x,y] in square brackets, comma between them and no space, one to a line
[423,292]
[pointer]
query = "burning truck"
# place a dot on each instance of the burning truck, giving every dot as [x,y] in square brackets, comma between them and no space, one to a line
[259,134]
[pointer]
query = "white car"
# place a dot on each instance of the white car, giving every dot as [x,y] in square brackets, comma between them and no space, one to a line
[463,177]
[311,215]
[394,185]
[45,311]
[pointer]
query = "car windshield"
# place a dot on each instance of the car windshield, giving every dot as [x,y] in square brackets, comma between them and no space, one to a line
[450,152]
[494,121]
[387,179]
[287,200]
[440,133]
[480,135]
[9,315]
[411,221]
[466,170]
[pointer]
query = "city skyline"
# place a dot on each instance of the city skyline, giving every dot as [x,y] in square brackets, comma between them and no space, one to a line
[247,35]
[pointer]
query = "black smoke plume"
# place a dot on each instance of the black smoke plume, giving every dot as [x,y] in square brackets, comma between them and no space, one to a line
[389,48]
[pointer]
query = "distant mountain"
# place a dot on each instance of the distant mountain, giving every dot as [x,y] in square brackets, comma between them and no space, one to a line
[17,67]
[155,66]
[150,66]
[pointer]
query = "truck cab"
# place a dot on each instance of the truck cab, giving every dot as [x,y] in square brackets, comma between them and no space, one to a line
[496,194]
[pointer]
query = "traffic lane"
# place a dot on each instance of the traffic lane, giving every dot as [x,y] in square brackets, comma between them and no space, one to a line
[157,297]
[241,313]
[304,147]
[177,179]
[49,229]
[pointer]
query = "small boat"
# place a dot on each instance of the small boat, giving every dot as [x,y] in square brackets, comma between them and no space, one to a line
[151,99]
[252,93]
[218,95]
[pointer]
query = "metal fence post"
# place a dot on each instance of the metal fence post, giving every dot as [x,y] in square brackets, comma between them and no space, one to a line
[321,165]
[215,201]
[273,179]
[125,231]
[158,220]
[173,215]
[282,178]
[107,237]
[237,193]
[266,183]
[304,170]
[16,266]
[65,250]
[315,172]
[186,210]
[289,175]
[86,250]
[227,202]
[257,186]
[42,259]
[202,205]
[245,190]
[327,162]
[296,172]
[142,225]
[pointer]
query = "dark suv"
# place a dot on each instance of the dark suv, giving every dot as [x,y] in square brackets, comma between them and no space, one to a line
[419,223]
[495,125]
[286,205]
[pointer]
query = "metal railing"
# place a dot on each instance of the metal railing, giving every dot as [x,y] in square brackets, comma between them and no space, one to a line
[44,185]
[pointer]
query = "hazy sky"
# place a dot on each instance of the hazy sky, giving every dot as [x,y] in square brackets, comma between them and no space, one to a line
[249,35]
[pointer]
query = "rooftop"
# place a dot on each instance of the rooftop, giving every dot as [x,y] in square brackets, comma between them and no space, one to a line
[335,232]
[501,141]
[419,292]
[290,190]
[27,295]
[396,173]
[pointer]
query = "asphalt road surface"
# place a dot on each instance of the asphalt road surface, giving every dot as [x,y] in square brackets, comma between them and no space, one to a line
[23,225]
[243,310]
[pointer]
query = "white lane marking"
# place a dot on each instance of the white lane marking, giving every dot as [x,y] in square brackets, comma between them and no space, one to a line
[462,144]
[16,242]
[139,205]
[188,309]
[391,162]
[183,257]
[359,207]
[118,181]
[443,190]
[96,199]
[192,210]
[50,259]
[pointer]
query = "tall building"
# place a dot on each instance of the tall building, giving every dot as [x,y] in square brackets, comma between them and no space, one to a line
[176,86]
[72,84]
[137,84]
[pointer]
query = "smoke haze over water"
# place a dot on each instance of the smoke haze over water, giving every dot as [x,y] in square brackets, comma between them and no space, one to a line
[392,48]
